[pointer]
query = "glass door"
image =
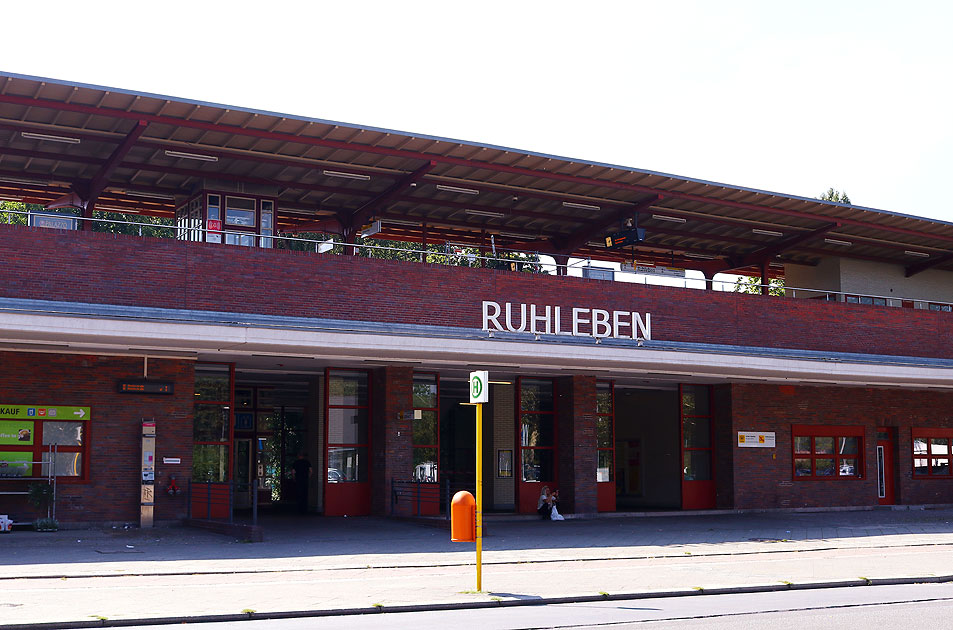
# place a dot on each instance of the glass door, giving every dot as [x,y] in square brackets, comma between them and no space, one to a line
[347,489]
[537,441]
[698,485]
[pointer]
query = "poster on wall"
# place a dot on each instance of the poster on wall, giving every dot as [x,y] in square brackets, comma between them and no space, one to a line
[18,432]
[504,466]
[756,439]
[16,464]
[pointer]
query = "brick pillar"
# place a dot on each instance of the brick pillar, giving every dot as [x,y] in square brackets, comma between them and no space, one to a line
[392,435]
[576,457]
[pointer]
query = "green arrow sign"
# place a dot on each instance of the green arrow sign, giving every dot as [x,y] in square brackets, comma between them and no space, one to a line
[34,412]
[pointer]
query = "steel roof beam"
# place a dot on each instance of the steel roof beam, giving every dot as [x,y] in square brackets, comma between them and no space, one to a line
[759,256]
[914,269]
[91,190]
[500,168]
[569,244]
[366,211]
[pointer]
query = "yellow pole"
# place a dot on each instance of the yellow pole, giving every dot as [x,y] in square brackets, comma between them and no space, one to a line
[479,495]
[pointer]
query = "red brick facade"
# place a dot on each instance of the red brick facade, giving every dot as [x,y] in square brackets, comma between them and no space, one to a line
[764,478]
[111,493]
[124,270]
[178,274]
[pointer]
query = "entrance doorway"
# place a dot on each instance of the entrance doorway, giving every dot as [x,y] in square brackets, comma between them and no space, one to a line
[885,442]
[270,428]
[647,470]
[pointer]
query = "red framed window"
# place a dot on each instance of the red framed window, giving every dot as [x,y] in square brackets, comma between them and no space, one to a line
[827,452]
[605,431]
[213,423]
[931,453]
[27,448]
[537,429]
[426,434]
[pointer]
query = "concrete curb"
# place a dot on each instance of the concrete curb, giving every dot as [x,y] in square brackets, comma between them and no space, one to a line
[578,599]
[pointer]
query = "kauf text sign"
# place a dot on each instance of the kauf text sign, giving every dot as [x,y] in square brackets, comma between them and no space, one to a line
[580,322]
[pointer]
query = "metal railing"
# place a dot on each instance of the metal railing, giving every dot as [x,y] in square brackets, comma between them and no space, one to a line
[517,260]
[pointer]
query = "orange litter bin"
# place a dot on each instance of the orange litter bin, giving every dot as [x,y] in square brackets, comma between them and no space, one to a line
[463,517]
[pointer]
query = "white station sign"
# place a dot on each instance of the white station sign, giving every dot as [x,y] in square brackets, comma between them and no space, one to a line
[479,387]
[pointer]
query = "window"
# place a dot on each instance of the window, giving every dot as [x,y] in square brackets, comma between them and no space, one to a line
[27,448]
[931,453]
[605,442]
[537,429]
[827,452]
[946,308]
[240,211]
[426,433]
[865,299]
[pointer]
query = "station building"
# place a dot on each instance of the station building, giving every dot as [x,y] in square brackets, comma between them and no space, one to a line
[245,336]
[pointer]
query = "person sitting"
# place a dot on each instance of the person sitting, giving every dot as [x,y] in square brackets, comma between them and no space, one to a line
[547,501]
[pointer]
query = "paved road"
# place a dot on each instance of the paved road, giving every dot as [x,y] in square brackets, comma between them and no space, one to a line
[882,607]
[322,565]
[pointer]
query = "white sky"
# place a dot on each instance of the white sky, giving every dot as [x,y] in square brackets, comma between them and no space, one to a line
[793,97]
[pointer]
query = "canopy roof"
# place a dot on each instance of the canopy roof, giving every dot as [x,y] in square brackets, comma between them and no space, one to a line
[111,148]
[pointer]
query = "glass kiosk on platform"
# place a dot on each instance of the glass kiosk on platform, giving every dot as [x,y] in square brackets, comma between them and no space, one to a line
[229,218]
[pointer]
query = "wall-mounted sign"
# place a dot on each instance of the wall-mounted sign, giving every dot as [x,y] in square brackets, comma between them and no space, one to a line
[581,322]
[654,270]
[41,411]
[146,387]
[171,460]
[756,439]
[19,432]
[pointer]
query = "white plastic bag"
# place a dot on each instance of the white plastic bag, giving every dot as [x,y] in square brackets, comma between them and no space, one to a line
[555,515]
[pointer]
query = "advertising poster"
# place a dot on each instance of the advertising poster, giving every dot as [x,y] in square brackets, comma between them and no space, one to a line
[16,464]
[18,432]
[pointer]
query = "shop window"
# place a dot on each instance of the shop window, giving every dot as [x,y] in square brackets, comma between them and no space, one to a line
[426,431]
[27,448]
[931,453]
[537,430]
[348,437]
[825,452]
[605,425]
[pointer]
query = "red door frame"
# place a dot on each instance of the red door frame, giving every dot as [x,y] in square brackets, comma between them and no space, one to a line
[605,490]
[348,498]
[885,449]
[527,492]
[697,495]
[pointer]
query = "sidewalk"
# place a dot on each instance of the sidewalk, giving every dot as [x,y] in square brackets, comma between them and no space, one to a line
[315,565]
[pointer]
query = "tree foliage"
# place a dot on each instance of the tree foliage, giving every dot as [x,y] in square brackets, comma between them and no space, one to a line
[832,194]
[752,284]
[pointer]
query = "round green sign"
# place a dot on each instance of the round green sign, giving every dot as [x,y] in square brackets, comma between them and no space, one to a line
[476,385]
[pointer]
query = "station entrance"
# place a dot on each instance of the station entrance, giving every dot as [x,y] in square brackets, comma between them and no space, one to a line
[664,449]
